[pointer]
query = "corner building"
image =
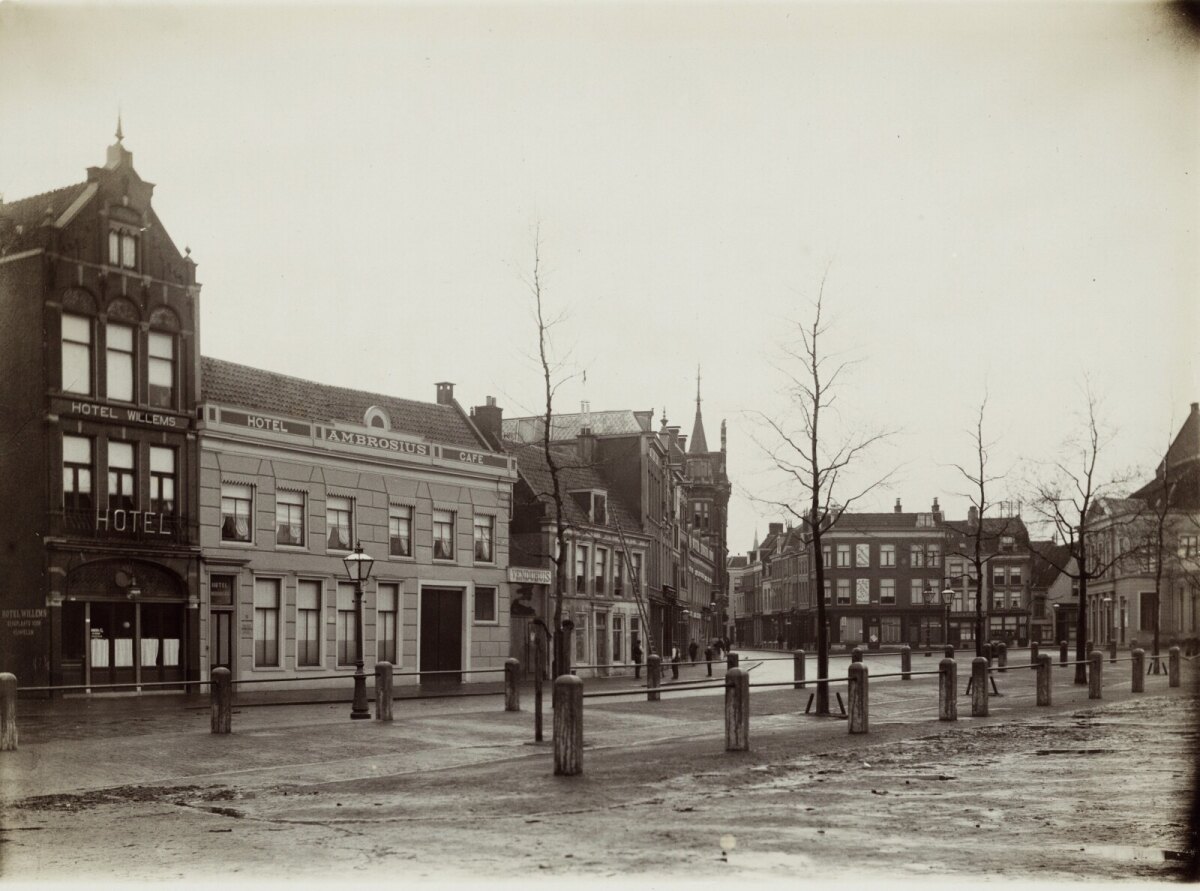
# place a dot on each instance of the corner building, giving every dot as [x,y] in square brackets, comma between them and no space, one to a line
[293,475]
[99,532]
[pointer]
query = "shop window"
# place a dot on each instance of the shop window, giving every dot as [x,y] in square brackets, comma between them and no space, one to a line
[122,494]
[485,527]
[161,369]
[339,523]
[162,480]
[236,506]
[346,629]
[485,605]
[119,362]
[308,623]
[400,531]
[77,473]
[266,622]
[889,630]
[76,354]
[387,614]
[289,518]
[443,535]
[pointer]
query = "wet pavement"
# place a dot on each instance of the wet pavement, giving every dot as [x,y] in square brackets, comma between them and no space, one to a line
[140,788]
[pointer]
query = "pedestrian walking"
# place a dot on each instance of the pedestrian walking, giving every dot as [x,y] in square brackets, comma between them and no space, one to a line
[693,648]
[637,660]
[676,659]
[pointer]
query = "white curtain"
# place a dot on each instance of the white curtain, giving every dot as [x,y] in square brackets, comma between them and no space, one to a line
[99,653]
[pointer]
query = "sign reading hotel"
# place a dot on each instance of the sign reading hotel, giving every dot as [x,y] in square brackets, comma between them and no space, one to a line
[120,414]
[264,422]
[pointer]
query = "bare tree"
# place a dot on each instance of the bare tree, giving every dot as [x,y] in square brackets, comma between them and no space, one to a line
[1068,499]
[977,553]
[814,462]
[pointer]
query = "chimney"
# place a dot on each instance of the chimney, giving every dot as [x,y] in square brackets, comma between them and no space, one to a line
[722,437]
[972,516]
[1196,408]
[445,393]
[775,528]
[897,508]
[937,511]
[489,419]
[586,445]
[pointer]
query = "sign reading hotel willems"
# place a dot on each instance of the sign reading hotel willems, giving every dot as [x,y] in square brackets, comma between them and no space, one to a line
[23,622]
[120,414]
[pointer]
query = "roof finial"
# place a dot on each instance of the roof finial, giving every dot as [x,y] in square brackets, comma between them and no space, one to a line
[120,132]
[697,386]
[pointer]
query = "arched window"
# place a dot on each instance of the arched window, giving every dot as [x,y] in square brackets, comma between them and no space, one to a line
[377,417]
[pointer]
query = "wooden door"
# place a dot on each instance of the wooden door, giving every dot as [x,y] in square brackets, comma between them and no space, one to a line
[441,635]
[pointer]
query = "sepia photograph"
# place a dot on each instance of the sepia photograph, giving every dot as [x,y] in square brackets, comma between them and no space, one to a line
[636,444]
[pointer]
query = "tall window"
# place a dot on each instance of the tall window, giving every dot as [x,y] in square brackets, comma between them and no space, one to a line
[1014,576]
[236,501]
[997,576]
[122,248]
[862,555]
[843,590]
[484,533]
[161,370]
[916,587]
[345,624]
[119,352]
[266,622]
[601,570]
[887,555]
[443,535]
[828,590]
[77,473]
[387,614]
[618,632]
[400,531]
[121,492]
[76,354]
[162,480]
[1188,545]
[916,555]
[619,574]
[308,623]
[289,518]
[956,571]
[485,604]
[933,555]
[826,555]
[581,568]
[338,523]
[843,555]
[581,638]
[887,590]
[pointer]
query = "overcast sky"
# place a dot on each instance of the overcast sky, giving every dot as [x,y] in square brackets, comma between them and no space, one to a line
[1003,195]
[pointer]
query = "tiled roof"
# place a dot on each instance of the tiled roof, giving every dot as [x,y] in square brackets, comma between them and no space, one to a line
[864,522]
[567,426]
[28,213]
[993,528]
[1047,558]
[229,383]
[738,562]
[533,468]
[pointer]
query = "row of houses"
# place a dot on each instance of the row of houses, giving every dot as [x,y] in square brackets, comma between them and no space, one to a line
[169,512]
[910,578]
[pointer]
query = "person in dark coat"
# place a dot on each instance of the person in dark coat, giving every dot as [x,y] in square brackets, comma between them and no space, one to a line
[637,660]
[693,649]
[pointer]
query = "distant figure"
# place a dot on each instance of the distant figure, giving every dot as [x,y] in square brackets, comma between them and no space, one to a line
[693,648]
[637,660]
[779,641]
[676,659]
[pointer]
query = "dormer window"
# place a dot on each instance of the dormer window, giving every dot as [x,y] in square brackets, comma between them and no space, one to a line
[1007,542]
[376,417]
[594,503]
[122,248]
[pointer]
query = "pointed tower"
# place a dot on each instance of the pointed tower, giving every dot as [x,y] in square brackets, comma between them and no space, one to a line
[699,444]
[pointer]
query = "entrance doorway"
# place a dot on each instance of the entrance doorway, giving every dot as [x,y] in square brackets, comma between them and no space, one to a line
[108,643]
[441,635]
[221,645]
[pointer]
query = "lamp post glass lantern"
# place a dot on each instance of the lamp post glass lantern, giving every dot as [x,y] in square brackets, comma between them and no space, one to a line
[947,596]
[358,567]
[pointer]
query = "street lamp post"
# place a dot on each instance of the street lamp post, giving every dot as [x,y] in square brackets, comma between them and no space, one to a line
[947,596]
[928,596]
[358,567]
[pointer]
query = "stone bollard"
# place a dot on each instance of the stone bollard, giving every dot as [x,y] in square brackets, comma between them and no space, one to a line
[1087,650]
[568,726]
[979,687]
[708,654]
[1112,651]
[948,652]
[1043,679]
[222,700]
[737,710]
[948,690]
[1173,667]
[1002,656]
[906,663]
[1062,652]
[731,661]
[1139,672]
[987,653]
[798,668]
[8,712]
[1034,653]
[383,691]
[1095,679]
[1133,645]
[856,695]
[653,677]
[512,693]
[856,654]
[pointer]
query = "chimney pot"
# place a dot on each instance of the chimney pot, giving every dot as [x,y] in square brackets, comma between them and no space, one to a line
[897,508]
[445,393]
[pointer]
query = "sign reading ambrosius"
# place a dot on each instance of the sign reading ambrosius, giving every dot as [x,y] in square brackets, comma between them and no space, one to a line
[371,441]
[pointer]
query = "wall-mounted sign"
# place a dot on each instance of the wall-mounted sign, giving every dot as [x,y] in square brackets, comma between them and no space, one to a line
[120,414]
[135,522]
[526,576]
[264,422]
[23,622]
[469,457]
[372,441]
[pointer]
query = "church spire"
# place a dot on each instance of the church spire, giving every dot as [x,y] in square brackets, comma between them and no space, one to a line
[698,444]
[119,134]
